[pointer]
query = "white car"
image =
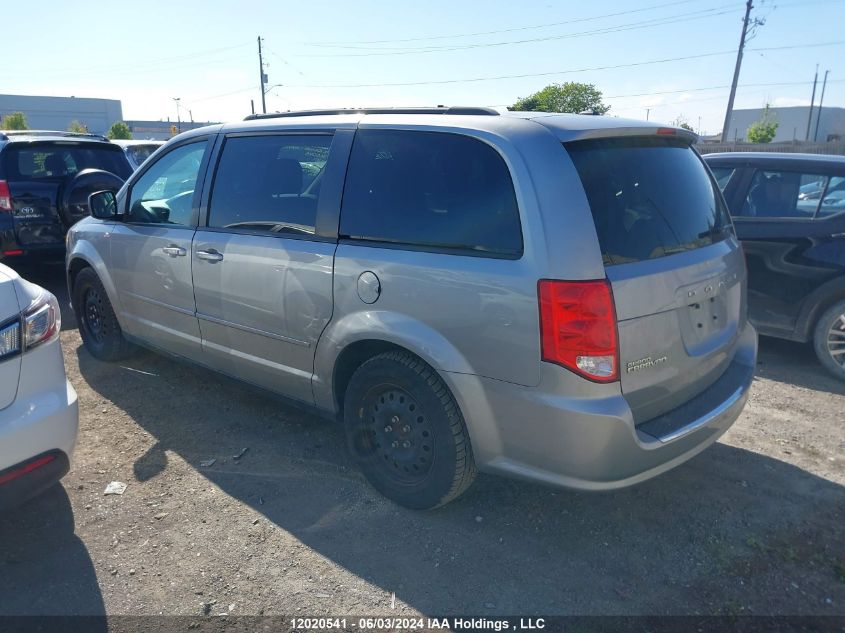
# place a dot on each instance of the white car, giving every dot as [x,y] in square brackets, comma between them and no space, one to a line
[39,414]
[137,151]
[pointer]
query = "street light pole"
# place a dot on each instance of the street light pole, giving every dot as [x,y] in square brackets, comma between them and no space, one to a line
[178,118]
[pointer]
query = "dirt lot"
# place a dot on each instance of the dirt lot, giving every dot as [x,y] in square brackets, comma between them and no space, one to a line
[752,525]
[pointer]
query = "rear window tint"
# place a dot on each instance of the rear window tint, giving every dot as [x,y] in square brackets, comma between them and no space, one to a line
[650,197]
[430,189]
[57,161]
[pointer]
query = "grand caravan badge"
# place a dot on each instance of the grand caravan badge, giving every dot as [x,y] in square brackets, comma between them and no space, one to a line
[644,363]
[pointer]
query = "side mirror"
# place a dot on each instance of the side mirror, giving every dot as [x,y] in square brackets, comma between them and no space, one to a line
[103,205]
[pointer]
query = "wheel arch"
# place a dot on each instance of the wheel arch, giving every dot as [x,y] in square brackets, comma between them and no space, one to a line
[349,342]
[815,305]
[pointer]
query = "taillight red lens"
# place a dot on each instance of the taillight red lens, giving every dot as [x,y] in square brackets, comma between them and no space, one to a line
[5,196]
[578,327]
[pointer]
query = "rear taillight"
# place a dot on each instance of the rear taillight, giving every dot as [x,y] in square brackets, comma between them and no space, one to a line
[42,321]
[10,339]
[5,197]
[578,327]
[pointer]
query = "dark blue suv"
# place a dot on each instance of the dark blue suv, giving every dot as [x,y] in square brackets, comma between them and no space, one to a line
[44,181]
[789,214]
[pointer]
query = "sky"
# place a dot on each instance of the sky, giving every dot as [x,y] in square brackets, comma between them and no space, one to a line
[666,60]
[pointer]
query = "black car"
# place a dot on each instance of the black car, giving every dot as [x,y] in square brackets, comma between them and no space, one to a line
[44,181]
[789,213]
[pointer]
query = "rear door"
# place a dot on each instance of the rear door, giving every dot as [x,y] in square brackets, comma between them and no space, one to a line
[36,172]
[263,264]
[791,222]
[150,250]
[675,267]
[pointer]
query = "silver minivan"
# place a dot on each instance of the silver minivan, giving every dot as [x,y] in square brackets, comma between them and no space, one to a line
[559,298]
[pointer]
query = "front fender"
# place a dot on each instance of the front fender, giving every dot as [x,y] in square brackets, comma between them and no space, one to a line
[92,247]
[388,327]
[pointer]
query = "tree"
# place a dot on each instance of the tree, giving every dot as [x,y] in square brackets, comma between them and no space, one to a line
[764,129]
[566,97]
[14,121]
[79,128]
[681,122]
[119,130]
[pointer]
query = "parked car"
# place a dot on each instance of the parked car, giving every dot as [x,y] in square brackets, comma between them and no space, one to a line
[137,151]
[789,213]
[554,297]
[38,408]
[37,201]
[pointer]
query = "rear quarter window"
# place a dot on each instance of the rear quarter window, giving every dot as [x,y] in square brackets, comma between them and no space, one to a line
[432,190]
[649,196]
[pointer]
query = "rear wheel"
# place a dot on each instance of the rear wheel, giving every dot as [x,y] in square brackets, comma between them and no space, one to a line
[406,433]
[98,324]
[829,339]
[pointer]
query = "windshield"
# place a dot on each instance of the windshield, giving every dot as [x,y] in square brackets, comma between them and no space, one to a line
[650,197]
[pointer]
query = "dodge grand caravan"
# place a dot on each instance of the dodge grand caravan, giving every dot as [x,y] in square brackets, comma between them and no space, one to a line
[554,297]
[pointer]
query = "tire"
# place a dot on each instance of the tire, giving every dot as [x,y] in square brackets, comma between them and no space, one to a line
[98,324]
[406,432]
[829,339]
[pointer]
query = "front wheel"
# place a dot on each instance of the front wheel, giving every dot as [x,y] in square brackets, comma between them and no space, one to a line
[98,324]
[406,433]
[829,339]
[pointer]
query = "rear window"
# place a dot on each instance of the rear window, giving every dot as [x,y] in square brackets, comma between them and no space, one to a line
[650,197]
[57,161]
[431,190]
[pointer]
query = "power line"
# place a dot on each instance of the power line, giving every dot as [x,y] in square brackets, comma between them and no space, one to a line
[675,19]
[557,72]
[336,44]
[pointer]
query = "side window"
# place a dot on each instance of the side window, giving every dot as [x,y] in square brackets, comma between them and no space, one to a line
[833,199]
[164,194]
[269,183]
[722,176]
[783,194]
[430,189]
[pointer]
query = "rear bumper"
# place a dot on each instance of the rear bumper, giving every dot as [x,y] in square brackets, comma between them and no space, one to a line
[588,440]
[44,418]
[32,477]
[12,249]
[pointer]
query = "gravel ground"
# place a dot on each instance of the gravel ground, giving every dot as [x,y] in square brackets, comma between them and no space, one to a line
[751,526]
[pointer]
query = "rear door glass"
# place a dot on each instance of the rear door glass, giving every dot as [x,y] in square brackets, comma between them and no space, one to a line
[430,190]
[57,161]
[650,197]
[784,194]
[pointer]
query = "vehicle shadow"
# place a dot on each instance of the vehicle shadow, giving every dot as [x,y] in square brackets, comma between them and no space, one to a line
[718,531]
[801,368]
[45,569]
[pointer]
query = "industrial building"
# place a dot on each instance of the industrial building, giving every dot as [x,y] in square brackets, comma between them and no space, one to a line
[792,123]
[57,113]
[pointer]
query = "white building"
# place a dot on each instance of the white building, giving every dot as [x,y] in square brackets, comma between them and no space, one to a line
[57,113]
[792,123]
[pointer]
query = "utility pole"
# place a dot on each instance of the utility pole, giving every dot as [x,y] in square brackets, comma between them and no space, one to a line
[263,76]
[729,112]
[819,115]
[647,111]
[812,100]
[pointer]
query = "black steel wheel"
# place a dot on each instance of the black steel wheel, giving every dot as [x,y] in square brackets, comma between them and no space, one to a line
[406,432]
[98,325]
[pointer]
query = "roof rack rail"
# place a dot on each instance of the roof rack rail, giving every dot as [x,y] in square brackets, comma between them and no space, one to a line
[8,133]
[471,110]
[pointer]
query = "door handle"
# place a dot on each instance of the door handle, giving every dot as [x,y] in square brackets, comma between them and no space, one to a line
[210,255]
[175,251]
[837,235]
